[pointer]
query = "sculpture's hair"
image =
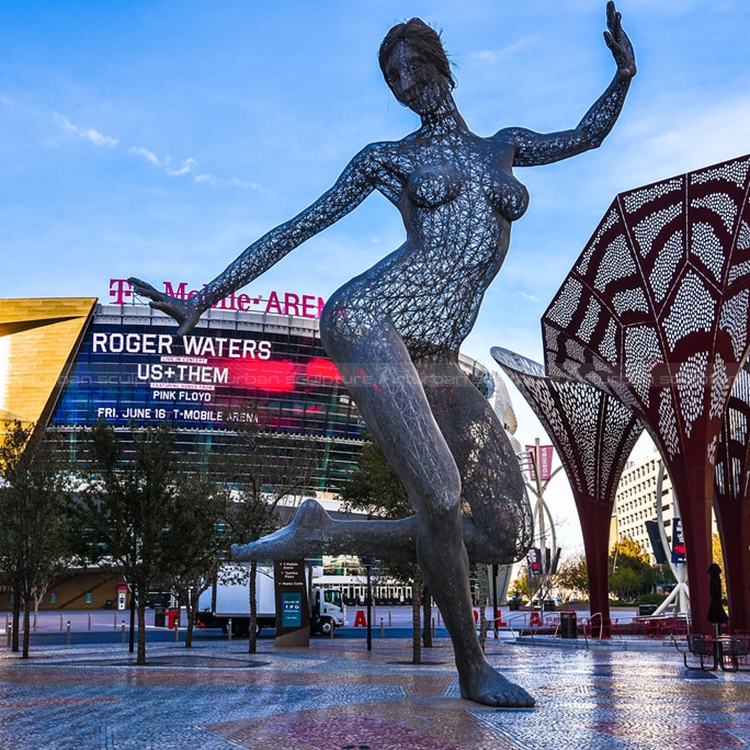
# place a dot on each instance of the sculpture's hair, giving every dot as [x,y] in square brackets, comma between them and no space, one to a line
[422,38]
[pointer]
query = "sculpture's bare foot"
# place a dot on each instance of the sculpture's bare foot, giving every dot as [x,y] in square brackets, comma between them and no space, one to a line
[303,537]
[488,687]
[183,311]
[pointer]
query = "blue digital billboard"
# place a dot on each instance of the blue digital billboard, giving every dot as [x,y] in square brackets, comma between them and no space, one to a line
[209,379]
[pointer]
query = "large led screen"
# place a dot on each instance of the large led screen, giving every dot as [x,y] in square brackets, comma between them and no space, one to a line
[209,379]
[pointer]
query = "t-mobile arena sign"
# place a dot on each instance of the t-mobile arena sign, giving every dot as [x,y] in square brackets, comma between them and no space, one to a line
[277,303]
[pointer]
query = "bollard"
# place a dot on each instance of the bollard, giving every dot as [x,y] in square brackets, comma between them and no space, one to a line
[67,636]
[61,622]
[9,633]
[89,620]
[229,628]
[433,628]
[176,633]
[390,618]
[332,629]
[382,628]
[123,631]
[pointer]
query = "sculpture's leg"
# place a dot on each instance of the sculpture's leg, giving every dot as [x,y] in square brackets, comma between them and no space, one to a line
[386,387]
[313,532]
[501,525]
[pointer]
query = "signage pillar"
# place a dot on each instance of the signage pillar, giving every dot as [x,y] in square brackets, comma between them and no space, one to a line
[292,608]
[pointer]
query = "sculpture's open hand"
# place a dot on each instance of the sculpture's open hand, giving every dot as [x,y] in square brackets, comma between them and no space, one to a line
[618,42]
[186,314]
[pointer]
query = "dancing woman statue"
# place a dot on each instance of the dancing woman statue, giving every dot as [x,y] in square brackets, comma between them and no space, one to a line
[394,333]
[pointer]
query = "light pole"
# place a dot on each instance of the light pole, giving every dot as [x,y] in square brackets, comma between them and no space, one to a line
[544,526]
[369,562]
[680,595]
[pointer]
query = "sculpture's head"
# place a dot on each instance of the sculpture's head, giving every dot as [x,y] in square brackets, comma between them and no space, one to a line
[415,65]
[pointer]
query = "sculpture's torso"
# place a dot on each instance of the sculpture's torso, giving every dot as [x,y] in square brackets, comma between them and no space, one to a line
[457,197]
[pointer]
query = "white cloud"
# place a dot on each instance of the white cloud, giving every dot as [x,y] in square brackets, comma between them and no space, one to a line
[233,182]
[148,155]
[494,56]
[186,168]
[98,139]
[526,296]
[91,135]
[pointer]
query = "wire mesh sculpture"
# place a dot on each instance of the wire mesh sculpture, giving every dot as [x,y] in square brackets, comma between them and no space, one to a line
[394,331]
[655,311]
[594,434]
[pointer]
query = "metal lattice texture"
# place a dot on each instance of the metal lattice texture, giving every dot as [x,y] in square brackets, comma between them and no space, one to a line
[593,432]
[655,309]
[732,498]
[732,454]
[394,332]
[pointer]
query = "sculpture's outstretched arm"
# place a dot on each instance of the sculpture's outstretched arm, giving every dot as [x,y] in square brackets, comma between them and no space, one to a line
[356,182]
[537,148]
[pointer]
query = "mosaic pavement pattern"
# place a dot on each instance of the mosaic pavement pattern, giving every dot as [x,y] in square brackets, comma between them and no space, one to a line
[336,696]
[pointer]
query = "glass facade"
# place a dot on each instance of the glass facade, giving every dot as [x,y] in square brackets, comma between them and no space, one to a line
[131,368]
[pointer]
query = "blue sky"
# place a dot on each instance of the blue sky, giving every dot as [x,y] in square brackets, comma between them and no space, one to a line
[159,138]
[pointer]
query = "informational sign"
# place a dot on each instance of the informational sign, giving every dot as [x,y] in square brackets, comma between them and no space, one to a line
[292,609]
[122,597]
[542,459]
[212,378]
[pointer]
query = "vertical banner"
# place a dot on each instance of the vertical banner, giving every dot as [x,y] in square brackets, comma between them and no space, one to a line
[678,542]
[543,460]
[534,559]
[292,608]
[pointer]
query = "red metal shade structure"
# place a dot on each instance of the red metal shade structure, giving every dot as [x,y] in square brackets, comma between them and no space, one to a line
[594,434]
[732,499]
[655,311]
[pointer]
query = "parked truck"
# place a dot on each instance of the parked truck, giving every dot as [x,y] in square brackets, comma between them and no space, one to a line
[227,603]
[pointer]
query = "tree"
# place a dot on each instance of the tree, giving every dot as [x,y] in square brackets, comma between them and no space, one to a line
[573,577]
[33,538]
[129,507]
[520,586]
[374,487]
[262,468]
[195,543]
[631,572]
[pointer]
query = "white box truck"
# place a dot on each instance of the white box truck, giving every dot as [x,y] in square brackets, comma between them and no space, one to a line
[232,603]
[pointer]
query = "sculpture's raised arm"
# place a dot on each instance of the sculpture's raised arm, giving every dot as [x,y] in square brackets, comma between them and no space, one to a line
[356,182]
[537,148]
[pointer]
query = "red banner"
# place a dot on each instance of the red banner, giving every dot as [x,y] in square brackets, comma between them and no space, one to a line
[543,460]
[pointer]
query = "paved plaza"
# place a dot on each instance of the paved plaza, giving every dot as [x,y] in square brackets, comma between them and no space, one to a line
[337,696]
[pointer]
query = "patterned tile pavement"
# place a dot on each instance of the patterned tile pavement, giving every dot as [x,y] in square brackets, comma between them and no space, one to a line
[336,696]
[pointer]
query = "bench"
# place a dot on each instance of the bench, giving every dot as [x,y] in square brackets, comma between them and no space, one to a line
[702,647]
[732,649]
